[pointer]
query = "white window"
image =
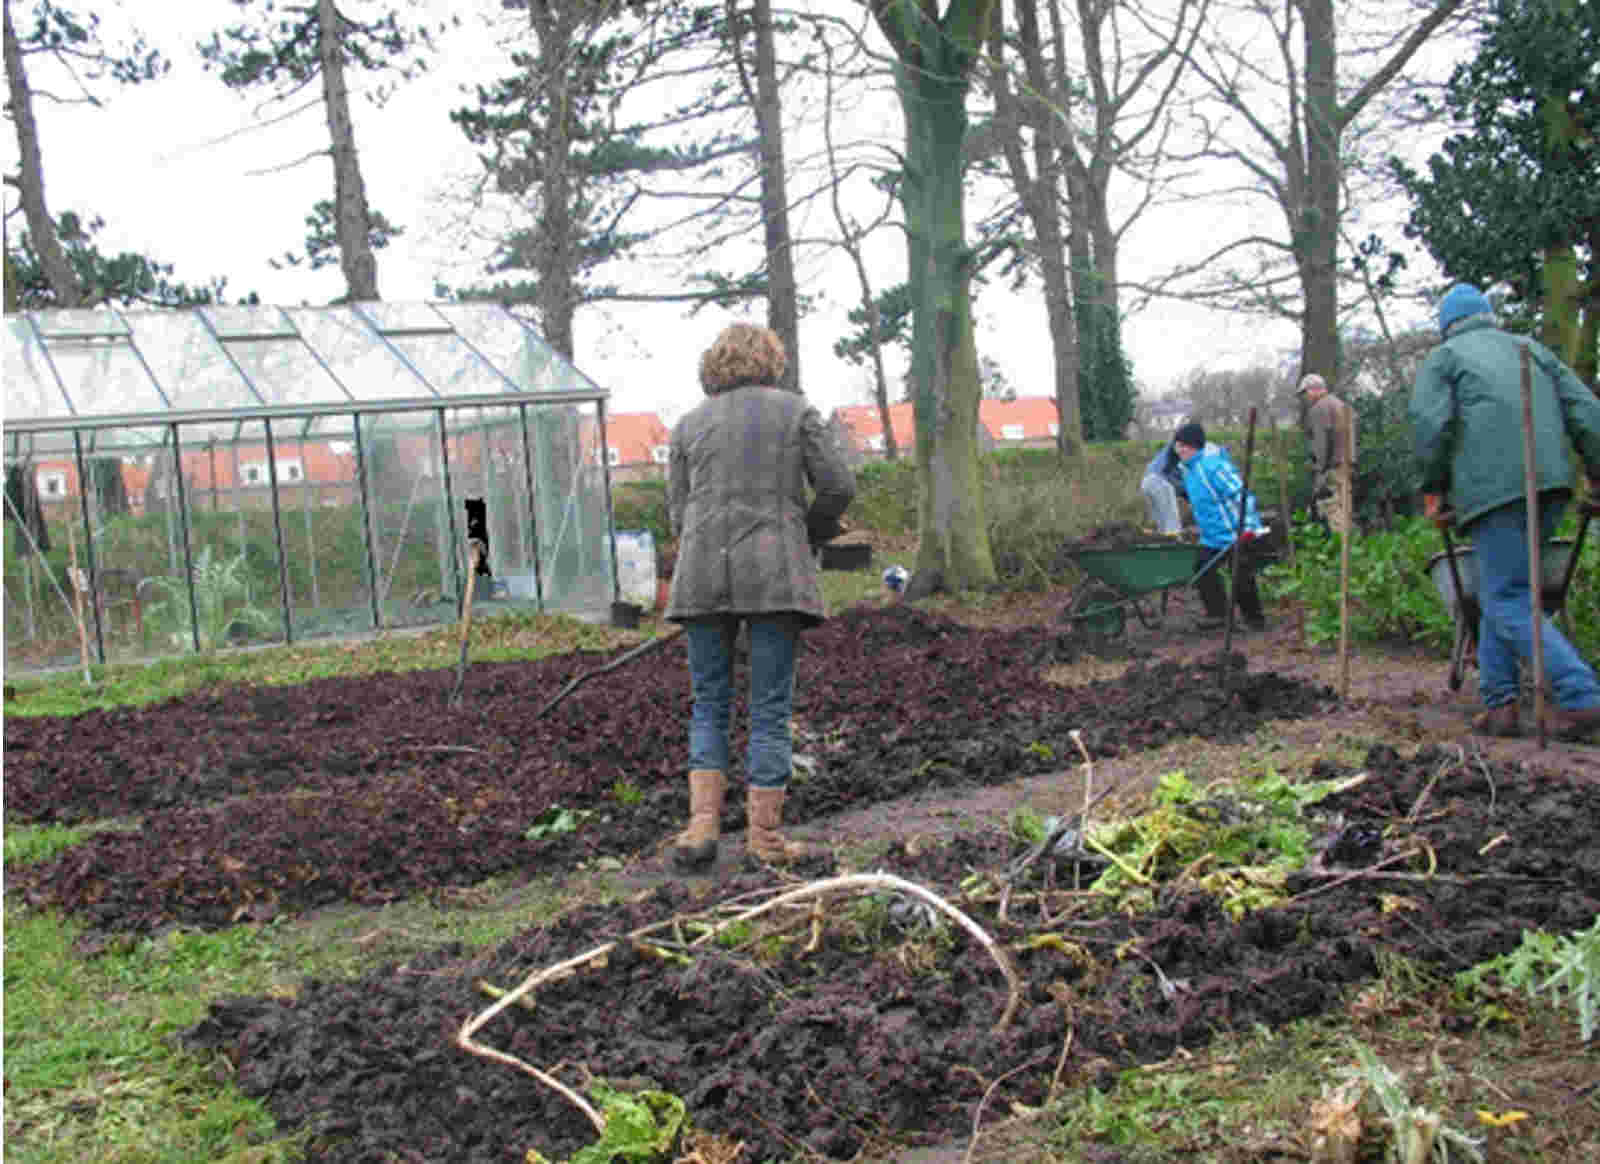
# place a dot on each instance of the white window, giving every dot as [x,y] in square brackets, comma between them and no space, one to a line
[875,443]
[613,456]
[1011,432]
[660,453]
[52,483]
[1055,429]
[255,472]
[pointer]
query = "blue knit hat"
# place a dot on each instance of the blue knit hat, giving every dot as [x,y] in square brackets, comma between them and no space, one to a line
[1459,302]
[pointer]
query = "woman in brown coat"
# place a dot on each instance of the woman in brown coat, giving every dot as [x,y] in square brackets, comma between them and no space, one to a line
[741,466]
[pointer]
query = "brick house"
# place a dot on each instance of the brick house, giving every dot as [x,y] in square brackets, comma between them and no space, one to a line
[637,445]
[1025,422]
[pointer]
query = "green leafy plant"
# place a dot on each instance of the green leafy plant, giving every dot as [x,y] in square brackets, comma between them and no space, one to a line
[553,821]
[1547,963]
[221,602]
[641,1127]
[626,792]
[1420,1134]
[1392,597]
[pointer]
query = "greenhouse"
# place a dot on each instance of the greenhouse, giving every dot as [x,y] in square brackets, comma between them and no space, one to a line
[183,480]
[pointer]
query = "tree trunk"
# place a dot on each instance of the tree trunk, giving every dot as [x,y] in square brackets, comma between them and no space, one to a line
[30,179]
[1317,232]
[954,541]
[783,299]
[555,263]
[1039,197]
[352,221]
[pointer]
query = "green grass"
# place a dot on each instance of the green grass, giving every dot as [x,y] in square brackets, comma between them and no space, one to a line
[93,1070]
[501,639]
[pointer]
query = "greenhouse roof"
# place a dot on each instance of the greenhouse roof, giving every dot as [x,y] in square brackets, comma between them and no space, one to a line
[102,369]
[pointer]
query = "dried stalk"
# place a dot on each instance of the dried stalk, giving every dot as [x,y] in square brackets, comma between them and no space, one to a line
[859,881]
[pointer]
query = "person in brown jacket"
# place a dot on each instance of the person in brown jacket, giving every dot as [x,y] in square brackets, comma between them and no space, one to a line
[740,467]
[1326,433]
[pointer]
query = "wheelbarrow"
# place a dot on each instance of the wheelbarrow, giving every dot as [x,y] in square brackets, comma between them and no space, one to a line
[1556,560]
[1128,576]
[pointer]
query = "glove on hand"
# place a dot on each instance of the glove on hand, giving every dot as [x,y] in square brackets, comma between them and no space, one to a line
[823,529]
[1435,510]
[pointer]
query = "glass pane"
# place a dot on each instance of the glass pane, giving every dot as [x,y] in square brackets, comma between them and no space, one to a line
[450,365]
[515,348]
[248,322]
[238,587]
[405,317]
[31,388]
[356,355]
[411,536]
[79,322]
[103,377]
[570,511]
[189,363]
[41,630]
[487,463]
[319,506]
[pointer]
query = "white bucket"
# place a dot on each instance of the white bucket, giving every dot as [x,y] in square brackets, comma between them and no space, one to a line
[636,566]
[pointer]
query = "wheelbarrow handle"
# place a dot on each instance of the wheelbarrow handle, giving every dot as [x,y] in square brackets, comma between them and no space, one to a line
[1577,549]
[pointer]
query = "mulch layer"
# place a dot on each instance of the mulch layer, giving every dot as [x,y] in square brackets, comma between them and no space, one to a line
[859,1030]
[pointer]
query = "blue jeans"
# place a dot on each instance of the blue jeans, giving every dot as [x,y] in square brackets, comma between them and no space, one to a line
[1505,632]
[773,639]
[1161,499]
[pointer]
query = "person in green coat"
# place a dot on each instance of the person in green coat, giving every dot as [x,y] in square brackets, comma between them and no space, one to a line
[1466,416]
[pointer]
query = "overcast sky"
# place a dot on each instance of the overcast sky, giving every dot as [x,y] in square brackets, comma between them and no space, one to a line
[183,170]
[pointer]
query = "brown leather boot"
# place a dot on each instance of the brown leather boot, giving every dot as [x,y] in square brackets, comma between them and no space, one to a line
[696,846]
[1499,721]
[765,808]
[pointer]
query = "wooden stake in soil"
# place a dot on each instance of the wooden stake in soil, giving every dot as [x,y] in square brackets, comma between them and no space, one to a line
[1535,536]
[1288,526]
[1238,542]
[79,583]
[1349,523]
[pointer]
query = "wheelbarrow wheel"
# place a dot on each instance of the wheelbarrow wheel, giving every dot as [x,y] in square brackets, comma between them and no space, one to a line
[1459,655]
[1099,610]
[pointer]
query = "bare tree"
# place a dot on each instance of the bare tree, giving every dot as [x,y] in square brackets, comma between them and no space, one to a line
[73,41]
[783,298]
[851,234]
[1288,85]
[317,43]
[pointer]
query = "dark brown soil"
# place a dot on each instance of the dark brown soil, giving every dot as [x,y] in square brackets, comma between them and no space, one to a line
[868,1033]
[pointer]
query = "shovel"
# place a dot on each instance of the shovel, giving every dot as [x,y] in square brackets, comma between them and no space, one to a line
[477,563]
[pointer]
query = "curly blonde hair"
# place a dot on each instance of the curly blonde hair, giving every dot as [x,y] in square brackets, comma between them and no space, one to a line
[744,354]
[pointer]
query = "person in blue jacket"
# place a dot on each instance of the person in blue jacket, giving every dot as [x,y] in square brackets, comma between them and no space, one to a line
[1466,417]
[1214,487]
[1161,486]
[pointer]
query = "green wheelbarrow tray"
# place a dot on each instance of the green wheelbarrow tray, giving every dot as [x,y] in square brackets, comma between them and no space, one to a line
[1120,577]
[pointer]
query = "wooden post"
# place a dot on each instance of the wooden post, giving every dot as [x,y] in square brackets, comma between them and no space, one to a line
[1345,502]
[1288,528]
[79,582]
[1530,486]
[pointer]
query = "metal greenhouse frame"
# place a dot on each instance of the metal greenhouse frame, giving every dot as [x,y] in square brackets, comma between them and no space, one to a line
[252,474]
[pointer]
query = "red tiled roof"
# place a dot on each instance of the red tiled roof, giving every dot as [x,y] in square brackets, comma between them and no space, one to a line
[1034,413]
[636,436]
